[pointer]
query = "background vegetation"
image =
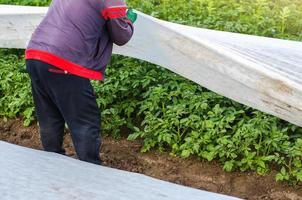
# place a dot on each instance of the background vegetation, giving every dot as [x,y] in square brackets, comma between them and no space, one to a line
[173,114]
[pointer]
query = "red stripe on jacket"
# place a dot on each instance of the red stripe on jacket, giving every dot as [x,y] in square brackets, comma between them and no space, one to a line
[113,13]
[63,64]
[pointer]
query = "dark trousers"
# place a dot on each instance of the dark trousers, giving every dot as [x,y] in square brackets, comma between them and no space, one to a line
[63,98]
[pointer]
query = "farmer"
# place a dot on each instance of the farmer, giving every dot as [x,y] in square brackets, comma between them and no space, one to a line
[71,46]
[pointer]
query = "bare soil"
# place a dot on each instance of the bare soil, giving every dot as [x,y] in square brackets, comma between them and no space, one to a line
[125,155]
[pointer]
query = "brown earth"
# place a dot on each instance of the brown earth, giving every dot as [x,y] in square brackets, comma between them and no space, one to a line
[125,155]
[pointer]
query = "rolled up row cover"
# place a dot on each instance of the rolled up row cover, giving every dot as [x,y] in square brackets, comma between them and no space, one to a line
[262,73]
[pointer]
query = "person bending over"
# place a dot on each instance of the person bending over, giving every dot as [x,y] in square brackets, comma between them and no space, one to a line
[71,46]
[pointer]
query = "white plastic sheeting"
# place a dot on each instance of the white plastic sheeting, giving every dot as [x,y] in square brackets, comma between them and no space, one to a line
[17,24]
[260,72]
[27,174]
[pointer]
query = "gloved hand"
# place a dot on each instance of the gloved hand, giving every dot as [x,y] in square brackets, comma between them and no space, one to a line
[131,15]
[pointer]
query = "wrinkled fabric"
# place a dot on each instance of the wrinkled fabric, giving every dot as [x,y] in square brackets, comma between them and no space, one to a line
[77,31]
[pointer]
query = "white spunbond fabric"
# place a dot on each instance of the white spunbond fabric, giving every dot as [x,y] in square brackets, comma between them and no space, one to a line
[29,174]
[263,73]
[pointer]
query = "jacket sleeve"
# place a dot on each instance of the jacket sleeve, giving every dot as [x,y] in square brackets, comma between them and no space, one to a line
[120,28]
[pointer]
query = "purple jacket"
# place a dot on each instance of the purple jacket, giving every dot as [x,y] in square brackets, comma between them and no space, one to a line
[77,36]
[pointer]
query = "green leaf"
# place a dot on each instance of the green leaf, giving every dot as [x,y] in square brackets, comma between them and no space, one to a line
[228,166]
[185,153]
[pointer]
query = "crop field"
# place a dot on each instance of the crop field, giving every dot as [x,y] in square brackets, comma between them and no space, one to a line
[167,114]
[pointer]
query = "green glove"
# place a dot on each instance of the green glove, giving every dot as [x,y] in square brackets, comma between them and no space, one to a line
[131,15]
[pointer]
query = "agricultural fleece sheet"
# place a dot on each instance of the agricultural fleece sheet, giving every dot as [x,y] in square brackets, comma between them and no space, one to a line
[260,72]
[37,175]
